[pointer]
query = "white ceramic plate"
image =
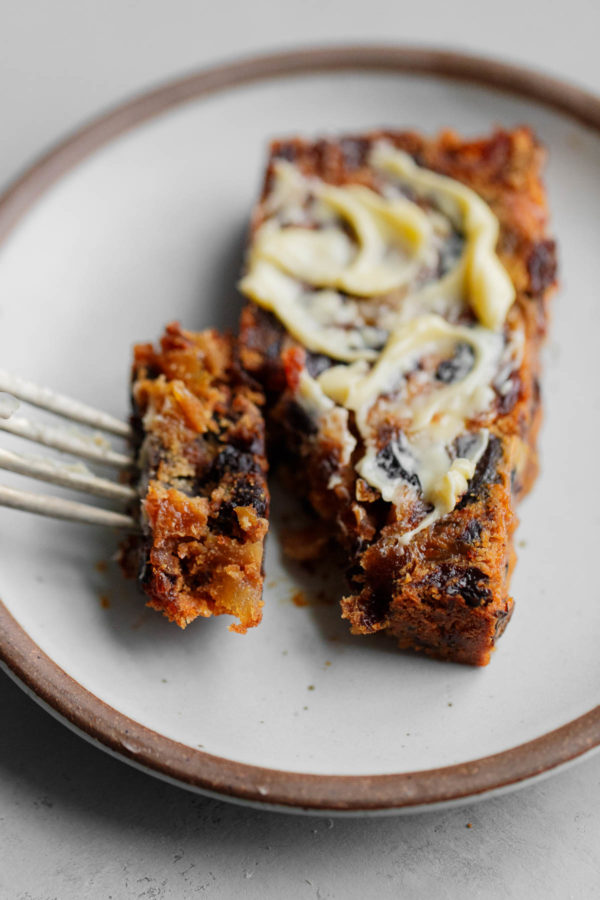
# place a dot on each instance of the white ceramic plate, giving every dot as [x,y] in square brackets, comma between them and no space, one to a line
[147,227]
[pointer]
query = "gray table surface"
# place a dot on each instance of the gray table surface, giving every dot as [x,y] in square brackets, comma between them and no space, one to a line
[75,823]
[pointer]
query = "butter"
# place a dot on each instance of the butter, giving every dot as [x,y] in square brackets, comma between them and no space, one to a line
[378,249]
[434,419]
[311,396]
[411,341]
[339,382]
[454,484]
[320,320]
[324,250]
[488,286]
[351,273]
[317,319]
[450,488]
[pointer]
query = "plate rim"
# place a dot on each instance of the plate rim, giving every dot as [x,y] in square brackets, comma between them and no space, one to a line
[154,752]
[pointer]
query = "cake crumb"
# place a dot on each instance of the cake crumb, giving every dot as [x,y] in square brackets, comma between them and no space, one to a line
[311,687]
[104,601]
[299,598]
[469,825]
[101,565]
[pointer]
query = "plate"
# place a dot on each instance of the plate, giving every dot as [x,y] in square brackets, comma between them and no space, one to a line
[140,219]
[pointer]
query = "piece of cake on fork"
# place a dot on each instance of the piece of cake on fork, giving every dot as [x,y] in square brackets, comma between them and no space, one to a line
[201,478]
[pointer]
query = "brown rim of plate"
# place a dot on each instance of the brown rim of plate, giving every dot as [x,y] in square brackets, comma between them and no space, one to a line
[149,749]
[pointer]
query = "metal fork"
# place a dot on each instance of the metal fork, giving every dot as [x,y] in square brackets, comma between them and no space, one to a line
[77,477]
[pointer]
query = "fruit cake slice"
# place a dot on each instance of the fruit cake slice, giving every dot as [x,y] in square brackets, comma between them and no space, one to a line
[399,290]
[201,476]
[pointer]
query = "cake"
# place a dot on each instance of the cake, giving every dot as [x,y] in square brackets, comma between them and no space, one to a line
[201,478]
[398,292]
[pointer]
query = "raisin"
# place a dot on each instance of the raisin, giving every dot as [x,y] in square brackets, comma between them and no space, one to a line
[466,443]
[230,459]
[374,605]
[459,366]
[152,372]
[244,493]
[541,266]
[467,583]
[299,420]
[450,253]
[486,473]
[391,459]
[247,493]
[317,363]
[472,533]
[225,522]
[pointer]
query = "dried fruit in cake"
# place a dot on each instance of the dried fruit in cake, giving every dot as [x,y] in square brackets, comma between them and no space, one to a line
[398,291]
[201,475]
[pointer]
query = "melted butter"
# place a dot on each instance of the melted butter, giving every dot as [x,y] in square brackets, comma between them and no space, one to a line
[321,243]
[433,420]
[310,393]
[349,273]
[450,488]
[339,382]
[315,318]
[488,286]
[378,250]
[411,341]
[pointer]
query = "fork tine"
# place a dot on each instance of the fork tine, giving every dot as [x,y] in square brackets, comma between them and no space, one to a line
[56,508]
[76,477]
[8,405]
[63,406]
[62,440]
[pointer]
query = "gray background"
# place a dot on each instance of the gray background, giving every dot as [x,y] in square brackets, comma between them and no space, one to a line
[75,823]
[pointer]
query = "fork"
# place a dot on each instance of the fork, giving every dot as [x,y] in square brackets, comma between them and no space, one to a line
[73,476]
